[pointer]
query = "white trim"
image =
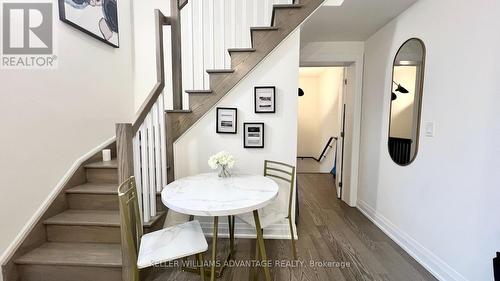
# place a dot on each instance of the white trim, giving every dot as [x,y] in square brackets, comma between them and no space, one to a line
[48,201]
[439,268]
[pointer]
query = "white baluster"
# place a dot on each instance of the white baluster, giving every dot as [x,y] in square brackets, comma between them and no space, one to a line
[151,170]
[145,172]
[157,146]
[187,49]
[136,149]
[231,29]
[163,144]
[167,91]
[219,37]
[198,46]
[268,9]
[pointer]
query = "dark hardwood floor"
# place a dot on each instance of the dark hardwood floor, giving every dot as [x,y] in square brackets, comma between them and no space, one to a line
[329,231]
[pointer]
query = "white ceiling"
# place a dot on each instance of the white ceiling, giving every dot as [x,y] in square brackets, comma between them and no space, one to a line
[354,20]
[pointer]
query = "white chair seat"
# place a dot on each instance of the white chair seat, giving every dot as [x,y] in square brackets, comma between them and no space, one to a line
[171,243]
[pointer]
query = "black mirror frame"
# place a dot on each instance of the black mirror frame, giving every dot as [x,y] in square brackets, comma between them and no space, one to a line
[421,85]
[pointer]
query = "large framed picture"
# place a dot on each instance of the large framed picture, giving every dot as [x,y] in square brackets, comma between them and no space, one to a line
[227,120]
[253,135]
[97,18]
[265,99]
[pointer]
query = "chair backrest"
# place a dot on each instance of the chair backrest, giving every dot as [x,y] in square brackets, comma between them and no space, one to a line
[283,172]
[131,224]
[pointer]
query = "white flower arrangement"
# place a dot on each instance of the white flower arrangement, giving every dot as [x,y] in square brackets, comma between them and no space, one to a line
[221,159]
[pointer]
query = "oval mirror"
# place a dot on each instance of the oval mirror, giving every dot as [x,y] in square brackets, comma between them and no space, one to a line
[406,101]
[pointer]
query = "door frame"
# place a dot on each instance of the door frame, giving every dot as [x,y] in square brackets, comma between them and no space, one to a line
[348,55]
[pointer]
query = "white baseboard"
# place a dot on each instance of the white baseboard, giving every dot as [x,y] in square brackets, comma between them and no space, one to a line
[246,231]
[439,268]
[48,201]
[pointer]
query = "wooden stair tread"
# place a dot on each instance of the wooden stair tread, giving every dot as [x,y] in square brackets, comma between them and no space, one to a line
[103,165]
[97,188]
[110,218]
[94,188]
[241,50]
[283,6]
[86,217]
[287,6]
[178,111]
[199,92]
[263,28]
[74,254]
[220,71]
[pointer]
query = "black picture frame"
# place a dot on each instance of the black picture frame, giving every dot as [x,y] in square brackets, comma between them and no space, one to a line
[245,134]
[257,107]
[235,123]
[62,17]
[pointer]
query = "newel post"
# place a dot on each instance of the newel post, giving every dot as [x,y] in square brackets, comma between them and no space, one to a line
[124,135]
[124,153]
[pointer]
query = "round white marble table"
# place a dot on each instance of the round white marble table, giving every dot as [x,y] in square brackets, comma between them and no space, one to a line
[210,195]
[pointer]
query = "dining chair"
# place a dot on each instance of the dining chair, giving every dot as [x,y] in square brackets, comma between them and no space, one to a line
[284,175]
[154,248]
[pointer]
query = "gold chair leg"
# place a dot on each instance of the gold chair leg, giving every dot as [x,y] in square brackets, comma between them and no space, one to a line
[230,221]
[257,257]
[261,244]
[214,248]
[294,249]
[202,267]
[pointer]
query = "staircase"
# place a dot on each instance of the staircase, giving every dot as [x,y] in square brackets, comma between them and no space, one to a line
[285,19]
[78,237]
[83,241]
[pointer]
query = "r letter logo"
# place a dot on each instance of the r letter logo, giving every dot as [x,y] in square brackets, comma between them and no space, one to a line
[27,35]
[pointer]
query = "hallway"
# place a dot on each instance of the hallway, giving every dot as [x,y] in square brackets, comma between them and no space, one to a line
[329,230]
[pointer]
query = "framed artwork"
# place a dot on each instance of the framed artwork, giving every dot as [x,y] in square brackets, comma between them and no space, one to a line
[265,99]
[227,120]
[253,135]
[97,18]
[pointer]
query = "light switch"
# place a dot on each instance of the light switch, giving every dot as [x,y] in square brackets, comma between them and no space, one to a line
[429,129]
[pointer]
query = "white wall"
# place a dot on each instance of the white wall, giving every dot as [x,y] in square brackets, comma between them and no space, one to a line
[318,116]
[443,208]
[145,48]
[349,54]
[279,69]
[50,118]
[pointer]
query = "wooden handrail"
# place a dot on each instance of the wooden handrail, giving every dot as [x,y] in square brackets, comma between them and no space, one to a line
[174,22]
[160,21]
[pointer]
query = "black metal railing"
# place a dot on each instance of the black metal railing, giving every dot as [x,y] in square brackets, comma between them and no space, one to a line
[323,153]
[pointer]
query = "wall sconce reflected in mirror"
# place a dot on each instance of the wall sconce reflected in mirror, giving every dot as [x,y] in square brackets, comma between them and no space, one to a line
[400,89]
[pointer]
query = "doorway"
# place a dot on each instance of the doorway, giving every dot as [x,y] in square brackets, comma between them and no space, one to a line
[344,153]
[321,122]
